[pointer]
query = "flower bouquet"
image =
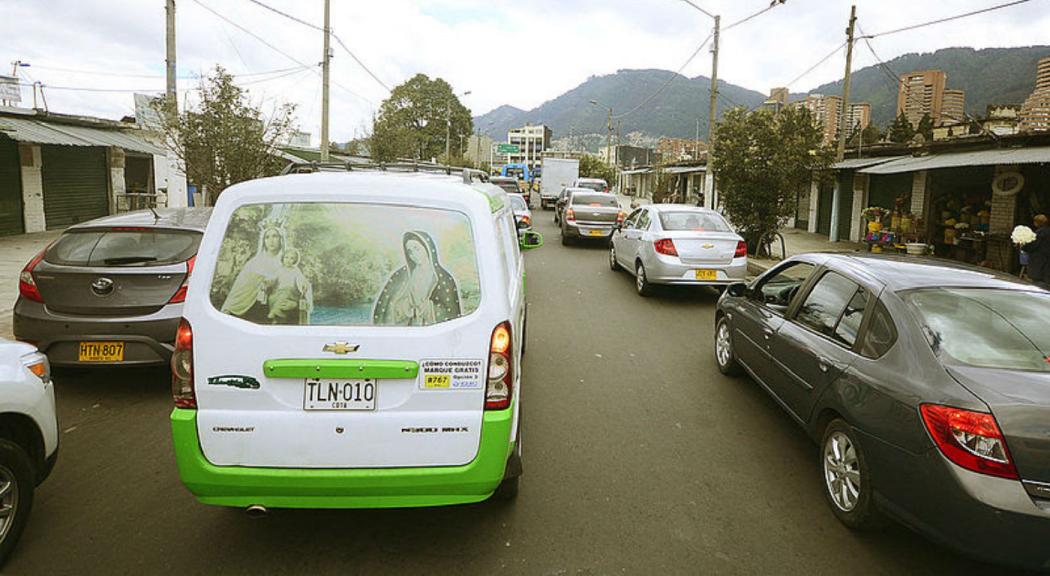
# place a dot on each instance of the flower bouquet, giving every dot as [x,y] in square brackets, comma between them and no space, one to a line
[1022,235]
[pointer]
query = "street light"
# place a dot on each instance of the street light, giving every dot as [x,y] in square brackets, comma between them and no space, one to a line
[448,127]
[608,136]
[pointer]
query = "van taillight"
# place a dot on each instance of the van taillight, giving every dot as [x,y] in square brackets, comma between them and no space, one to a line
[666,247]
[180,294]
[27,287]
[182,367]
[501,369]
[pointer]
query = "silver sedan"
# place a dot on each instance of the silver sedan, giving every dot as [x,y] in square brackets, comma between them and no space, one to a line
[680,245]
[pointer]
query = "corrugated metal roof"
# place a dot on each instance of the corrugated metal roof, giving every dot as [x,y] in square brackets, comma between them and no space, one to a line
[1037,155]
[854,163]
[43,132]
[685,169]
[638,171]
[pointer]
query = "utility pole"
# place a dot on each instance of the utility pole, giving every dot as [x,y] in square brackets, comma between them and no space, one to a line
[836,203]
[325,65]
[712,114]
[448,128]
[608,140]
[170,91]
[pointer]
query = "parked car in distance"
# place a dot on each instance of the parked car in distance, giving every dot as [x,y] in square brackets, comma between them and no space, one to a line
[595,184]
[926,384]
[584,213]
[110,291]
[511,185]
[28,436]
[680,245]
[522,212]
[403,386]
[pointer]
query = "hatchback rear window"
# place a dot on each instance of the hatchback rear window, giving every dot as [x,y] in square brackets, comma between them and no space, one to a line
[693,221]
[605,200]
[986,327]
[343,264]
[123,247]
[597,186]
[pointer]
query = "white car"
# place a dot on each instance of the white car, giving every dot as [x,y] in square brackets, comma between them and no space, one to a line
[353,340]
[678,244]
[595,184]
[28,435]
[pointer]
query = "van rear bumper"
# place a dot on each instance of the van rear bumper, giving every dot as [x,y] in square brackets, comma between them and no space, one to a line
[343,488]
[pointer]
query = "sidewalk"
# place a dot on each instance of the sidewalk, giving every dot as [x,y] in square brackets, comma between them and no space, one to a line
[15,253]
[800,242]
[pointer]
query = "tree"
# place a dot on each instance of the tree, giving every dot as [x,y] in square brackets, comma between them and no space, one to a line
[762,161]
[412,122]
[901,130]
[925,127]
[225,139]
[869,135]
[593,167]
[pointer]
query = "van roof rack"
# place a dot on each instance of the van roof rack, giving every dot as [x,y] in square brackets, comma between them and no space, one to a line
[470,175]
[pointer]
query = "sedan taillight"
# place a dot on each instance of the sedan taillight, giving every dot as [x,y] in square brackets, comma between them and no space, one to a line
[970,439]
[665,246]
[741,250]
[27,287]
[570,215]
[501,369]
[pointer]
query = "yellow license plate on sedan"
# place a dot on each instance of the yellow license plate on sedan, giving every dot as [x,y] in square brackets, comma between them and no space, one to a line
[101,352]
[596,233]
[707,275]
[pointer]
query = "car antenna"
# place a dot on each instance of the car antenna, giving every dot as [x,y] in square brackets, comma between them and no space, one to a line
[156,217]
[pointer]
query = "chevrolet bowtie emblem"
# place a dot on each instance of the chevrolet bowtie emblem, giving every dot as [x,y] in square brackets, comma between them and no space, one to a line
[340,348]
[708,246]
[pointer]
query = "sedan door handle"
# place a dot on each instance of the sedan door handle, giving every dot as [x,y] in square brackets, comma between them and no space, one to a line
[767,333]
[824,364]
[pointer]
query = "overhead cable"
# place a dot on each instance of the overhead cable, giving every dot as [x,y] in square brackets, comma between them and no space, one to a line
[771,6]
[947,19]
[817,65]
[689,2]
[669,80]
[250,33]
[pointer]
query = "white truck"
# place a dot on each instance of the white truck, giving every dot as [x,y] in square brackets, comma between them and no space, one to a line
[558,173]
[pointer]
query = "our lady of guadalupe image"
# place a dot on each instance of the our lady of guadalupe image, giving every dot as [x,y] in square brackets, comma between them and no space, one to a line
[421,292]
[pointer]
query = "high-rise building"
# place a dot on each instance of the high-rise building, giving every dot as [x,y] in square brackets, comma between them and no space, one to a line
[921,93]
[780,94]
[953,107]
[531,140]
[858,116]
[1035,112]
[825,111]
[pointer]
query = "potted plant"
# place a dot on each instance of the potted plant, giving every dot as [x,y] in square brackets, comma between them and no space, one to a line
[874,216]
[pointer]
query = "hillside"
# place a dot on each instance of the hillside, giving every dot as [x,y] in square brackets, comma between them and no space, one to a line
[989,76]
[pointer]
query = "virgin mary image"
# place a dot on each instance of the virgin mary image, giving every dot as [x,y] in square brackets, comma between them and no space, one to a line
[249,295]
[421,292]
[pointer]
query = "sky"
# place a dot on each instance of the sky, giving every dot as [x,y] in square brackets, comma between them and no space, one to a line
[521,53]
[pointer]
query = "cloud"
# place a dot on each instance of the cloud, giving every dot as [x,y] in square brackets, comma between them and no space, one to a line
[521,53]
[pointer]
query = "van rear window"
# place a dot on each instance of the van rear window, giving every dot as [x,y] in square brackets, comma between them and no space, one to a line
[343,264]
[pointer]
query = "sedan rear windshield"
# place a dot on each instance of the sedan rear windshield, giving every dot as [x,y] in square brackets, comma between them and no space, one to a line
[596,185]
[123,247]
[603,200]
[987,328]
[693,221]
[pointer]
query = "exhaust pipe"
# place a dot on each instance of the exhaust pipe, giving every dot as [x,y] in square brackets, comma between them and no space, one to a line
[256,511]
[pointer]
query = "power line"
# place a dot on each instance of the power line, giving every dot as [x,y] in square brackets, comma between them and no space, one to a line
[947,19]
[286,72]
[709,15]
[287,15]
[882,66]
[250,33]
[773,4]
[815,66]
[669,80]
[360,63]
[191,77]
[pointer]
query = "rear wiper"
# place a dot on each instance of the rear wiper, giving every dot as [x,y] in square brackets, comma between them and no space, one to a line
[129,260]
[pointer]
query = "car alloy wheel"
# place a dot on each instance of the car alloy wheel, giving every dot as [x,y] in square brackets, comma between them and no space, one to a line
[641,283]
[8,501]
[842,471]
[723,350]
[613,265]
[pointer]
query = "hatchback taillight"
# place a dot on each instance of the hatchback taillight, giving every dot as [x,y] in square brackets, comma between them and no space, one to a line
[570,215]
[501,369]
[666,247]
[182,367]
[741,250]
[180,294]
[27,287]
[970,439]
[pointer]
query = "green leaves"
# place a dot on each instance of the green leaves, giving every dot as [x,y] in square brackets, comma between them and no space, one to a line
[413,121]
[763,160]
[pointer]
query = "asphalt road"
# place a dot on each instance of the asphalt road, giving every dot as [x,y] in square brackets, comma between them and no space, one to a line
[640,458]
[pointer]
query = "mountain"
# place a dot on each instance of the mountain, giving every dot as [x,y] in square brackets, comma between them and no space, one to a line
[988,76]
[671,113]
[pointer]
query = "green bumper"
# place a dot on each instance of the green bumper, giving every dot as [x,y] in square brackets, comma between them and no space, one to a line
[343,488]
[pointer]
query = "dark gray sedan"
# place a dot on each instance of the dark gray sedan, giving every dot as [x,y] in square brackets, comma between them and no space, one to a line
[925,383]
[110,291]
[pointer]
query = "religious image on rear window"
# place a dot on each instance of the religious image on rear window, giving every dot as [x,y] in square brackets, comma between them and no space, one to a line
[346,265]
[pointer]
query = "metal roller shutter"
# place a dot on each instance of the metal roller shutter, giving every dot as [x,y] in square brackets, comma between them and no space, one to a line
[75,184]
[10,188]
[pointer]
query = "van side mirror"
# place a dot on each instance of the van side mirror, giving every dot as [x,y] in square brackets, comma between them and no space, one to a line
[529,239]
[737,289]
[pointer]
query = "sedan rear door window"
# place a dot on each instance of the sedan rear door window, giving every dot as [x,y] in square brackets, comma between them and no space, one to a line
[881,333]
[693,221]
[826,303]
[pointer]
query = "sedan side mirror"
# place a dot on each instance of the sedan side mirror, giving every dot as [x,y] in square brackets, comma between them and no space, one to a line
[737,289]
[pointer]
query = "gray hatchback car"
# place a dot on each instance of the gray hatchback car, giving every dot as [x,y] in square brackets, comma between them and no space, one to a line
[926,384]
[110,291]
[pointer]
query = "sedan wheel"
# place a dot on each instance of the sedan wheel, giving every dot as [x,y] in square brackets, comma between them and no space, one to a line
[16,495]
[724,357]
[641,283]
[613,265]
[847,479]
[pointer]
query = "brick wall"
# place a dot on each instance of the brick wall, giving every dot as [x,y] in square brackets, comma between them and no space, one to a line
[918,192]
[32,188]
[1001,223]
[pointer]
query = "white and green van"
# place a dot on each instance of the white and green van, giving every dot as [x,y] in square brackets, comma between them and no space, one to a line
[353,340]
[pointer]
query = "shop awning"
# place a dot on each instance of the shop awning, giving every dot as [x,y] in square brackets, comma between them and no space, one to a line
[44,132]
[685,169]
[855,163]
[637,171]
[1007,156]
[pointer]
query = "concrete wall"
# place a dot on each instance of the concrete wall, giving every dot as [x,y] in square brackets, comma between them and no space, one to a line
[860,199]
[32,188]
[115,159]
[814,204]
[918,192]
[170,181]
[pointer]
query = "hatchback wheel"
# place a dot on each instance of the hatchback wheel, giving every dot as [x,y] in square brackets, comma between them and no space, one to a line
[641,283]
[613,265]
[16,495]
[847,479]
[724,356]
